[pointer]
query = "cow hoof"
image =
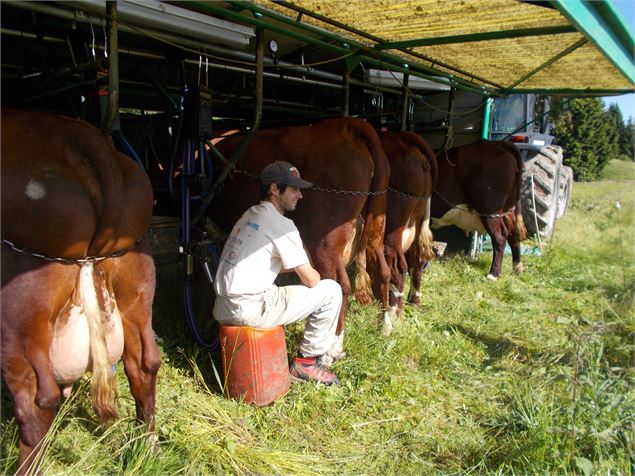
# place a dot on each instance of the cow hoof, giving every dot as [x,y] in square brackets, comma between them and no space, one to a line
[519,268]
[327,360]
[491,277]
[155,446]
[387,327]
[336,352]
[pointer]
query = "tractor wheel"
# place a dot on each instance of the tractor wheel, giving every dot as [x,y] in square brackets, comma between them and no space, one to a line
[541,192]
[566,184]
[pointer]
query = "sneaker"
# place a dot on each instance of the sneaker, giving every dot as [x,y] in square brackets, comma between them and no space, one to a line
[309,369]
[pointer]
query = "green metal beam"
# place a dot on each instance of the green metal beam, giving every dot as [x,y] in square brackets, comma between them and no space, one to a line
[569,91]
[485,36]
[599,22]
[487,112]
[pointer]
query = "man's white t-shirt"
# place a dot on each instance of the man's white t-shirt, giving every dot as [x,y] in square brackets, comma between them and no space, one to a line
[261,244]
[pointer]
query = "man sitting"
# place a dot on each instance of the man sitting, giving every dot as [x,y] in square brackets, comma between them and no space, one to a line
[262,244]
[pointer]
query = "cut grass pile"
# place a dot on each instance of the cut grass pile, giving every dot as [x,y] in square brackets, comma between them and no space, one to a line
[529,374]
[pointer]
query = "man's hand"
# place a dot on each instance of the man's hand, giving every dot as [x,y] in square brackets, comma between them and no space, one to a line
[308,275]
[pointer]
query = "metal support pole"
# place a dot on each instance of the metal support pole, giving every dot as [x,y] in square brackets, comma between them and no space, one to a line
[404,102]
[347,92]
[487,111]
[113,70]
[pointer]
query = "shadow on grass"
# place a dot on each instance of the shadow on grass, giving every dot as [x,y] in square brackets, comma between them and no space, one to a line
[498,348]
[621,292]
[170,325]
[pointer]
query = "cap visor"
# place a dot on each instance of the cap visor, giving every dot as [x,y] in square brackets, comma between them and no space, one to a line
[296,182]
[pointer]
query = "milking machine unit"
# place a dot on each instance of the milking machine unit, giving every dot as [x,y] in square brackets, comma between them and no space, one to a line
[198,185]
[195,125]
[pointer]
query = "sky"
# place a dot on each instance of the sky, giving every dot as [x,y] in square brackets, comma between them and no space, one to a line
[626,102]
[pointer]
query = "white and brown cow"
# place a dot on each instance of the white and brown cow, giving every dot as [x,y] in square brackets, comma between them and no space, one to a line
[479,190]
[408,239]
[77,284]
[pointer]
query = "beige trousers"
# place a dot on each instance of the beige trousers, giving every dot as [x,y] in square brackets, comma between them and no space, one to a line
[288,304]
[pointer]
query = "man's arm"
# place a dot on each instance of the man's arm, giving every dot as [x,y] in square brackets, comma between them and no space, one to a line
[308,274]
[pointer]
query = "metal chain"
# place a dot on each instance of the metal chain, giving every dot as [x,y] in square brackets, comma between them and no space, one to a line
[322,189]
[407,195]
[346,192]
[484,215]
[57,259]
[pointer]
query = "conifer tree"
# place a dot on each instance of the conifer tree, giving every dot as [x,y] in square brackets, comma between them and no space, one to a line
[583,130]
[626,142]
[616,128]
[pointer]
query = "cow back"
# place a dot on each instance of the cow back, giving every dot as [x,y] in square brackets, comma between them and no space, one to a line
[66,192]
[338,155]
[413,173]
[484,175]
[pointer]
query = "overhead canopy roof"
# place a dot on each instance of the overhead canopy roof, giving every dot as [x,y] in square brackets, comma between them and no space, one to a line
[495,46]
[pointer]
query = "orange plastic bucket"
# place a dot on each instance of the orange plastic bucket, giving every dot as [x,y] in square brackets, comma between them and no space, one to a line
[255,363]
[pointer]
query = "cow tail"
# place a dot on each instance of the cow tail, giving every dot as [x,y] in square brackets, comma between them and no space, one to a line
[426,239]
[363,282]
[374,218]
[102,382]
[362,278]
[520,231]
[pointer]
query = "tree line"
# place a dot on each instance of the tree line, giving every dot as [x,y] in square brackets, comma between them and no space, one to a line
[591,136]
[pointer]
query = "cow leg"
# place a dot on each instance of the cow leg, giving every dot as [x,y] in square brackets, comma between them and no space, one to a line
[337,349]
[514,239]
[380,278]
[33,421]
[27,373]
[142,360]
[133,283]
[397,289]
[401,280]
[413,258]
[418,258]
[398,280]
[514,244]
[496,230]
[391,253]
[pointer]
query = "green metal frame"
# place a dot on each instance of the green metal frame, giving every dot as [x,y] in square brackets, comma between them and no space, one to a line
[492,35]
[596,20]
[487,112]
[601,24]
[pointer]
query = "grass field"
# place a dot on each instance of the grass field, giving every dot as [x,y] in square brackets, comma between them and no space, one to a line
[532,374]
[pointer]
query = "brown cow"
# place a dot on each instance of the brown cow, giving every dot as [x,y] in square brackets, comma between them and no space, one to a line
[77,287]
[345,161]
[479,190]
[408,240]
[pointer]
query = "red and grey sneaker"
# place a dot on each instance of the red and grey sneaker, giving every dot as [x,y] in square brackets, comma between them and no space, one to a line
[309,369]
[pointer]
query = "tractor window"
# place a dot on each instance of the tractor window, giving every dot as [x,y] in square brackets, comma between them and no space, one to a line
[508,114]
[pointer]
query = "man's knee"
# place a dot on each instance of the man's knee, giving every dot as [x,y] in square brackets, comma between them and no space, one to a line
[333,287]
